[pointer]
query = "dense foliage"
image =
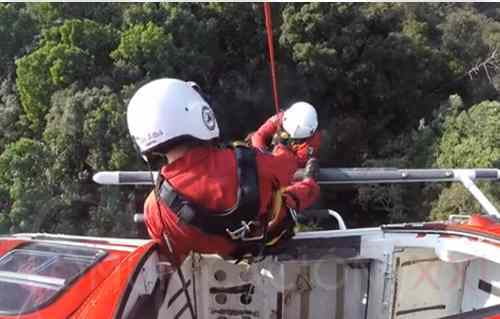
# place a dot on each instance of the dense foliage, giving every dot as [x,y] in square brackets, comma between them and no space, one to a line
[395,84]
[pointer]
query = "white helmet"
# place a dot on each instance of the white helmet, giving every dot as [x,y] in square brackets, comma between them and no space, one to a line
[168,109]
[300,120]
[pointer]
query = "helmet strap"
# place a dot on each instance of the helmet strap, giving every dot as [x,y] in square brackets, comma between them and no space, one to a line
[155,160]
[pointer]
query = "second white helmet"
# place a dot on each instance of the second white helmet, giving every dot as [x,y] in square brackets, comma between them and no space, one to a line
[300,120]
[166,110]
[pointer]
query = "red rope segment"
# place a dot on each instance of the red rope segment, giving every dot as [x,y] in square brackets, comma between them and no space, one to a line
[270,47]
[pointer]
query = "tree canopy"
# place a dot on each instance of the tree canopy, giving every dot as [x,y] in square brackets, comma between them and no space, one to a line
[395,85]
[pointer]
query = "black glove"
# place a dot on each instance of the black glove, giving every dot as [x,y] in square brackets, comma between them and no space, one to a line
[312,168]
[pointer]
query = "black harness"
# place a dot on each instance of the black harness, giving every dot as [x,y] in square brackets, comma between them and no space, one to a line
[235,222]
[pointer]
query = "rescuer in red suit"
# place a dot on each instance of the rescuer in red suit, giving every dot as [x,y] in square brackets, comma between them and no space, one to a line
[297,127]
[202,201]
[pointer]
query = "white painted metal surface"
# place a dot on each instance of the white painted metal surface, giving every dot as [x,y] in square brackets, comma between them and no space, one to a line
[426,287]
[482,285]
[177,300]
[143,284]
[227,290]
[395,275]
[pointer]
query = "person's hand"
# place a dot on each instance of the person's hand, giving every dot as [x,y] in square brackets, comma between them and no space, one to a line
[280,138]
[311,169]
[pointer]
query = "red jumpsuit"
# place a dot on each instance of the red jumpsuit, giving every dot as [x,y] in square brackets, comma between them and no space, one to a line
[207,176]
[261,139]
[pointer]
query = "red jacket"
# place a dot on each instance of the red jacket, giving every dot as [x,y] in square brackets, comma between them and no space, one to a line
[261,139]
[207,176]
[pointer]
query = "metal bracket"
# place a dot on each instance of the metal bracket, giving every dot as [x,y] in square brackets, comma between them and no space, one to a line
[339,219]
[476,192]
[241,233]
[457,218]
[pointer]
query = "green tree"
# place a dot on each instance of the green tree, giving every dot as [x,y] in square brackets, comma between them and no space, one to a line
[470,139]
[69,53]
[113,215]
[370,59]
[87,132]
[12,120]
[17,31]
[470,39]
[146,46]
[24,175]
[463,40]
[380,74]
[54,14]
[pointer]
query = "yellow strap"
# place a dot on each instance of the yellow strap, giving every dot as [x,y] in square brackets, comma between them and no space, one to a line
[275,239]
[240,143]
[275,211]
[277,204]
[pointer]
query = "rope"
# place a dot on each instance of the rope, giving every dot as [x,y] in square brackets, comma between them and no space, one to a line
[270,47]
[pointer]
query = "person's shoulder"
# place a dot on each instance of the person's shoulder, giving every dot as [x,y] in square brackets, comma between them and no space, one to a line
[222,152]
[261,153]
[276,118]
[279,156]
[150,200]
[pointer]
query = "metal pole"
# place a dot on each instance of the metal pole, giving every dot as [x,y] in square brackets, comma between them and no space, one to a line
[335,176]
[393,175]
[339,219]
[476,192]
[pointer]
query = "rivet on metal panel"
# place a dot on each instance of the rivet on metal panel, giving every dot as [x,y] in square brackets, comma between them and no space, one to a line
[220,275]
[246,275]
[246,299]
[220,299]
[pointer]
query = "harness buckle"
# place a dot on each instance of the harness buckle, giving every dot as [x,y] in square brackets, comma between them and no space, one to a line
[244,232]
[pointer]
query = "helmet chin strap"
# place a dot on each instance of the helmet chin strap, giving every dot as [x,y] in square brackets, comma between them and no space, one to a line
[155,160]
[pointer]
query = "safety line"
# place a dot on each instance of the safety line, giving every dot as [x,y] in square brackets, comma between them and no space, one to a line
[270,47]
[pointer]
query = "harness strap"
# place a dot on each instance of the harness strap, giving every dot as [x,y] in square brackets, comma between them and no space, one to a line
[279,226]
[231,222]
[282,220]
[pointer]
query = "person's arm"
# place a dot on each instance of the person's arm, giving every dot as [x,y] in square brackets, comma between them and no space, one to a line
[152,218]
[262,137]
[309,148]
[283,165]
[301,195]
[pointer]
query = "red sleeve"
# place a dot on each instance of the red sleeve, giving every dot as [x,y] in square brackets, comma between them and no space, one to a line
[262,137]
[308,148]
[153,222]
[301,195]
[283,166]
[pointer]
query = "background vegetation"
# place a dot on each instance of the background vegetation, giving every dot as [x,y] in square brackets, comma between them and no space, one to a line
[395,84]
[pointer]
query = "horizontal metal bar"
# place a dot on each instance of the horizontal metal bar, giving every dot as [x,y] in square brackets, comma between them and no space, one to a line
[32,279]
[392,175]
[333,176]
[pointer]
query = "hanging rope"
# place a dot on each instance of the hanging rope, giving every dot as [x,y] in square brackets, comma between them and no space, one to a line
[270,47]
